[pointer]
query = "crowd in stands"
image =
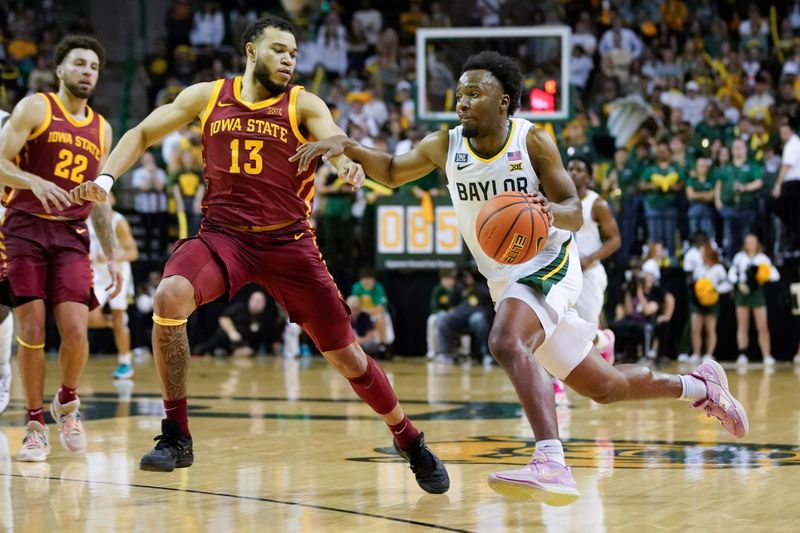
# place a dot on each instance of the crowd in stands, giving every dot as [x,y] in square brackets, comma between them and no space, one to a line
[714,87]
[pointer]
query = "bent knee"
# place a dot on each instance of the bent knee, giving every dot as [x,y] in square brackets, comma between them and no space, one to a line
[506,348]
[30,332]
[174,298]
[350,361]
[73,335]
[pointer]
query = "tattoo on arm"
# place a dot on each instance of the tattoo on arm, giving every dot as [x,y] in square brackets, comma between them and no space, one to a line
[101,220]
[171,343]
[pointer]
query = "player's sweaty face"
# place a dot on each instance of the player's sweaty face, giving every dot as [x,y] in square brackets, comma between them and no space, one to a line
[478,99]
[79,71]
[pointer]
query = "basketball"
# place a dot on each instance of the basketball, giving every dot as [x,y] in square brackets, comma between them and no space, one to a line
[511,228]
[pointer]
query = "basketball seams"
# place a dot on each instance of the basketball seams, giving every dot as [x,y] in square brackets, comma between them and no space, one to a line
[497,212]
[493,244]
[508,232]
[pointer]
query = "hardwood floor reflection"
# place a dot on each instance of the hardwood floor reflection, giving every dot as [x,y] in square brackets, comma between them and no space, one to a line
[285,445]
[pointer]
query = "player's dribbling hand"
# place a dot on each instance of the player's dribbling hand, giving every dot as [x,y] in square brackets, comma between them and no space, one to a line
[352,173]
[545,205]
[116,279]
[88,191]
[328,148]
[49,193]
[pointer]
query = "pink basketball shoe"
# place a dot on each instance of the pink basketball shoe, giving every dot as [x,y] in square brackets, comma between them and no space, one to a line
[608,352]
[541,480]
[719,402]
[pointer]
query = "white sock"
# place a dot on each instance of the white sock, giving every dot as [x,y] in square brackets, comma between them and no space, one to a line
[693,389]
[553,449]
[602,340]
[6,336]
[124,358]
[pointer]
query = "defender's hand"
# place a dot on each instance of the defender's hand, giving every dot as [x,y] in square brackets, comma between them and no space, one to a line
[116,279]
[328,148]
[88,191]
[49,193]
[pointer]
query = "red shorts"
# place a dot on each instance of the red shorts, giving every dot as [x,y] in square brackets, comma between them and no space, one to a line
[45,260]
[286,262]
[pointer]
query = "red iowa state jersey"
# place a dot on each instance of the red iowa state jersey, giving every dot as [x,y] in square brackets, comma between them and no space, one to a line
[63,150]
[251,184]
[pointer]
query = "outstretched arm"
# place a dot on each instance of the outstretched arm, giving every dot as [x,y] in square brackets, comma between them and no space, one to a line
[314,114]
[393,171]
[28,117]
[189,104]
[562,198]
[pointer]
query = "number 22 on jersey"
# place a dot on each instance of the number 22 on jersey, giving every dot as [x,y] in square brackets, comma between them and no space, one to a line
[253,160]
[71,166]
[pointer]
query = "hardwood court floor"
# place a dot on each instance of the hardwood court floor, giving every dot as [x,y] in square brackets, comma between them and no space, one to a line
[286,446]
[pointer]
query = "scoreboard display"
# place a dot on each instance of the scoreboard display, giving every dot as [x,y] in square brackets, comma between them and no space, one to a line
[409,236]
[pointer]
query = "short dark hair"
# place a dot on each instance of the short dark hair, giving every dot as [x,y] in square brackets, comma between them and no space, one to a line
[271,21]
[583,160]
[504,68]
[71,42]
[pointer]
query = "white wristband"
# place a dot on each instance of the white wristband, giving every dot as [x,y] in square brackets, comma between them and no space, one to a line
[105,182]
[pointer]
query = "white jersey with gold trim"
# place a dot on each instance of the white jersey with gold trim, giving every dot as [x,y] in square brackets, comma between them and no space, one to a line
[472,180]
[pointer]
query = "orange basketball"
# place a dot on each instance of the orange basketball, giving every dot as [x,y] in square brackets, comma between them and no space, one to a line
[511,228]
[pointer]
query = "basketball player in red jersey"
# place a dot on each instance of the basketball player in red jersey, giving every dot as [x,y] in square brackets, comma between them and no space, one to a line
[256,229]
[57,138]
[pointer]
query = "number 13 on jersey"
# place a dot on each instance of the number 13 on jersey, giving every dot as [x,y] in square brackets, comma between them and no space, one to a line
[253,162]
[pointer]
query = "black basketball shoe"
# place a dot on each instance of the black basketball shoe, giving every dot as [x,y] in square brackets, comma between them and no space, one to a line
[429,470]
[172,451]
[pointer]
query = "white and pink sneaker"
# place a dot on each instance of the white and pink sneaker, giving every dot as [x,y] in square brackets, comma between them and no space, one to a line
[719,402]
[36,444]
[542,480]
[608,352]
[70,429]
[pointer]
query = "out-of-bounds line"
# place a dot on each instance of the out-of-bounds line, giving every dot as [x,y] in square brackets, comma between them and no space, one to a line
[251,498]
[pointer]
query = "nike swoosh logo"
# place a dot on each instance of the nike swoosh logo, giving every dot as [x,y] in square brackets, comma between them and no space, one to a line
[548,476]
[58,118]
[80,231]
[222,104]
[298,235]
[462,167]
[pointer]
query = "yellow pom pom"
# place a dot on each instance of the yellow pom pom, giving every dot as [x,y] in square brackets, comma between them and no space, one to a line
[706,293]
[763,273]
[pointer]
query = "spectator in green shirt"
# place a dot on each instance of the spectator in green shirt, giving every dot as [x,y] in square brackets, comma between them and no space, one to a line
[576,144]
[700,192]
[662,185]
[373,300]
[624,177]
[713,127]
[737,193]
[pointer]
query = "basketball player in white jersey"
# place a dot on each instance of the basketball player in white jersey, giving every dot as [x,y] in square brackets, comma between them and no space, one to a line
[490,153]
[127,253]
[597,239]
